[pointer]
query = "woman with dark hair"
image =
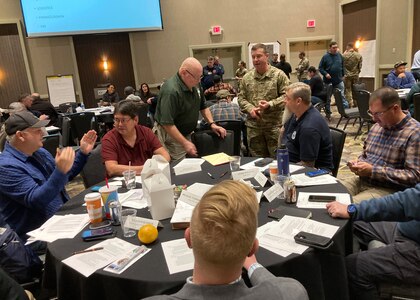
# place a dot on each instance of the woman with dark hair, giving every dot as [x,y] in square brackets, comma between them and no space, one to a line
[145,94]
[111,95]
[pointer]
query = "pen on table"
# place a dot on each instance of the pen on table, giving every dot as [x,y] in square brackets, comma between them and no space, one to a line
[88,250]
[223,174]
[211,176]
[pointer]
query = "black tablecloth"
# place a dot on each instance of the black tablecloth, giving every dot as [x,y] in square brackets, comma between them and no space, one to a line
[322,272]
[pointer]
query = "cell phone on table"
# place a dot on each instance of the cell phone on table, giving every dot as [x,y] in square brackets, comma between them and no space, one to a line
[263,162]
[321,198]
[317,173]
[96,234]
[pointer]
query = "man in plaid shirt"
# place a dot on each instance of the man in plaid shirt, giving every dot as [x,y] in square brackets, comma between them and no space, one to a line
[218,85]
[391,154]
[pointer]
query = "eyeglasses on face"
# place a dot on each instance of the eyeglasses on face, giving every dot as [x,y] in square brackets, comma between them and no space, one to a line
[198,79]
[379,113]
[122,120]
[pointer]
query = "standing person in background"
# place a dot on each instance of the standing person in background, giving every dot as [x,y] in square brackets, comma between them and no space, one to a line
[302,68]
[240,72]
[353,66]
[208,72]
[331,67]
[111,95]
[262,98]
[219,67]
[275,60]
[284,65]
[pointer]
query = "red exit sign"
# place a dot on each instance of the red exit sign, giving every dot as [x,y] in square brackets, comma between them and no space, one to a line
[310,23]
[216,30]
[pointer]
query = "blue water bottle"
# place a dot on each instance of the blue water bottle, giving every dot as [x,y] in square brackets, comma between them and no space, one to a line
[283,160]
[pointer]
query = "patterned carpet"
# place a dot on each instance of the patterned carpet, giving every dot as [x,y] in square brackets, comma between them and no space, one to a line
[352,149]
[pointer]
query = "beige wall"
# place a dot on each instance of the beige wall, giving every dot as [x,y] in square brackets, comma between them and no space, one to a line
[158,54]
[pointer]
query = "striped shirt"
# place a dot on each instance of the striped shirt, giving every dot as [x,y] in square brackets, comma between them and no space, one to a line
[394,154]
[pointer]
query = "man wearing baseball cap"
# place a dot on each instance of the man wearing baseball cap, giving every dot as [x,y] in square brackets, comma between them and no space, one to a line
[32,184]
[399,78]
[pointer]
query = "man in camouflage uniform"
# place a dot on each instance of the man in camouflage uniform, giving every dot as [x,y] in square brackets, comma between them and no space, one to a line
[353,66]
[262,98]
[302,68]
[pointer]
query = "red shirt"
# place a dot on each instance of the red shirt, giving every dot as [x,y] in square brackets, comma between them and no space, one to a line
[114,147]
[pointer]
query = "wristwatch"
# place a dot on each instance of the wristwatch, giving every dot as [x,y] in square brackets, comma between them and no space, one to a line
[352,211]
[211,124]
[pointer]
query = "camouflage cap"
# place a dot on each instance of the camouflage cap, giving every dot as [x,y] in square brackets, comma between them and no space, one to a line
[399,64]
[222,94]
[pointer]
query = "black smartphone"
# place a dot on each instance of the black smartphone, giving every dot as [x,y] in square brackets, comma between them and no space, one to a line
[312,240]
[102,224]
[95,234]
[321,198]
[263,162]
[317,173]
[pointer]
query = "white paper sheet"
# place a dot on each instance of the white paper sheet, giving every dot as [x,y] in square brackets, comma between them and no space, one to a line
[60,227]
[199,189]
[133,198]
[135,222]
[292,168]
[188,165]
[123,263]
[303,199]
[178,256]
[87,263]
[245,174]
[262,240]
[273,192]
[303,180]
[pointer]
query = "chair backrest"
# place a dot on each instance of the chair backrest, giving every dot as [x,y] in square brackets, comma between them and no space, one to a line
[207,142]
[338,138]
[142,110]
[363,104]
[51,143]
[339,102]
[94,170]
[65,132]
[357,87]
[416,102]
[68,107]
[236,127]
[329,91]
[81,123]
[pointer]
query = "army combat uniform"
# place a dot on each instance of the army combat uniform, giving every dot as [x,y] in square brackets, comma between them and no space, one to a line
[263,133]
[352,66]
[302,69]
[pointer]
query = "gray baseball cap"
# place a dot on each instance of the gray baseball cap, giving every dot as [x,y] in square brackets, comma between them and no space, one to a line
[21,120]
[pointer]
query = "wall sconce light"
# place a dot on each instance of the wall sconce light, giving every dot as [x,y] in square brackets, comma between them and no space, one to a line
[105,65]
[358,44]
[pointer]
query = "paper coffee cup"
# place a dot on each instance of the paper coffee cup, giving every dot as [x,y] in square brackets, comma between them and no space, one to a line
[108,195]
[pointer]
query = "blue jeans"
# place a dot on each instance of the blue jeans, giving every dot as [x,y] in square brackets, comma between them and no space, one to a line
[340,87]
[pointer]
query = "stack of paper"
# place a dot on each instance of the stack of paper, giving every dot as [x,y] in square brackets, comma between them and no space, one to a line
[188,165]
[60,227]
[293,168]
[278,237]
[218,158]
[179,257]
[303,180]
[133,198]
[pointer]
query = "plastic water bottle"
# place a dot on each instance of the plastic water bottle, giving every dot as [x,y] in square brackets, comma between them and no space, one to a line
[82,106]
[282,165]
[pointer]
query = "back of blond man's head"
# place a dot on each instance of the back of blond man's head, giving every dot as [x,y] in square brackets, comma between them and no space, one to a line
[224,224]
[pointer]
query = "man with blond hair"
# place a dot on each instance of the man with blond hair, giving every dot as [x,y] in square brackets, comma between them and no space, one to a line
[261,98]
[222,237]
[180,100]
[306,133]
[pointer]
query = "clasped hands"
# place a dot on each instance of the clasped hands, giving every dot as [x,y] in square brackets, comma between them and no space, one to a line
[257,111]
[361,168]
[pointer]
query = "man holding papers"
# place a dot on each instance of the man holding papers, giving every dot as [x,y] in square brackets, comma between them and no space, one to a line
[222,237]
[32,184]
[397,261]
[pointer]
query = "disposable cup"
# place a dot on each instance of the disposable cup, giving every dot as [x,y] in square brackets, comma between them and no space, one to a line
[125,215]
[94,207]
[130,179]
[108,195]
[235,163]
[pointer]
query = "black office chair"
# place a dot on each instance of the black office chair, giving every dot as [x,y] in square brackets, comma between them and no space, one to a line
[363,106]
[66,132]
[207,142]
[142,110]
[67,108]
[52,142]
[347,113]
[236,127]
[360,86]
[416,102]
[80,123]
[94,170]
[323,104]
[338,138]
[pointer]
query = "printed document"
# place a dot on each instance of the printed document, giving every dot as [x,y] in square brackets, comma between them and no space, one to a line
[178,256]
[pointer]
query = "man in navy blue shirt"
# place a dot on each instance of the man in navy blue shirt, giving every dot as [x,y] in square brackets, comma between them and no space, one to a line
[306,133]
[393,220]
